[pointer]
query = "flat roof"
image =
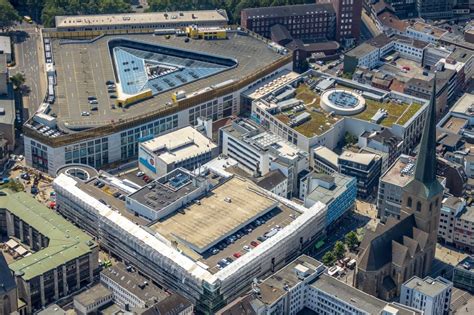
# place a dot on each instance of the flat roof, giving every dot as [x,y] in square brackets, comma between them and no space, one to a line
[428,286]
[327,155]
[350,295]
[393,175]
[429,29]
[361,158]
[326,195]
[66,241]
[176,17]
[464,104]
[467,214]
[5,44]
[273,287]
[179,145]
[166,190]
[7,102]
[361,50]
[83,68]
[93,295]
[289,10]
[455,124]
[131,281]
[225,210]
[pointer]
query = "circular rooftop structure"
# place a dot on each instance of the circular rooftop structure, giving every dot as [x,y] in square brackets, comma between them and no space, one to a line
[80,171]
[342,102]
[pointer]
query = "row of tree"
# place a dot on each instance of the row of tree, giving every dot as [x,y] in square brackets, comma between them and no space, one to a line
[339,249]
[44,11]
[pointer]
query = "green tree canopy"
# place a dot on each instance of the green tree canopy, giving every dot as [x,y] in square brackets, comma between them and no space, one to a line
[351,239]
[8,15]
[339,250]
[17,80]
[328,259]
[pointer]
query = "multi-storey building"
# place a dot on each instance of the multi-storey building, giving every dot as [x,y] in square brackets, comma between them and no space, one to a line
[431,296]
[402,248]
[183,251]
[259,151]
[348,20]
[303,285]
[365,167]
[383,141]
[185,147]
[147,107]
[325,160]
[65,259]
[425,32]
[336,191]
[303,21]
[463,274]
[437,9]
[451,209]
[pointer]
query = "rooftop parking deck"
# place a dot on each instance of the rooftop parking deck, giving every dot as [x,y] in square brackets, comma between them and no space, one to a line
[83,68]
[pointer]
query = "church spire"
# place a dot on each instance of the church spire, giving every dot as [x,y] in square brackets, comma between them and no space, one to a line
[425,170]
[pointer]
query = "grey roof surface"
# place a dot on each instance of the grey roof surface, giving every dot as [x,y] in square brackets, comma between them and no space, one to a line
[361,50]
[289,10]
[8,104]
[133,282]
[428,286]
[83,68]
[93,295]
[271,179]
[350,295]
[5,44]
[172,305]
[327,195]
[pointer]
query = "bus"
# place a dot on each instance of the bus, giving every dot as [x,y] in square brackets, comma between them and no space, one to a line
[28,19]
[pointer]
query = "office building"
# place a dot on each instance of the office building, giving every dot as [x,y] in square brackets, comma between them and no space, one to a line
[184,250]
[450,211]
[259,151]
[300,121]
[130,289]
[185,147]
[325,160]
[200,78]
[348,20]
[431,296]
[93,300]
[304,286]
[437,9]
[425,32]
[401,248]
[383,141]
[463,274]
[336,191]
[303,21]
[65,259]
[365,167]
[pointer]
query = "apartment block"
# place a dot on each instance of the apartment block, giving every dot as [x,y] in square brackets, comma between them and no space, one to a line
[365,167]
[431,296]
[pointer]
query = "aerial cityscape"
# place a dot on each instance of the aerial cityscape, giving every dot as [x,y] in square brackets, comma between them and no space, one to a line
[236,157]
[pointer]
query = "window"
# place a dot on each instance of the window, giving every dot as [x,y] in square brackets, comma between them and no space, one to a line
[418,206]
[409,202]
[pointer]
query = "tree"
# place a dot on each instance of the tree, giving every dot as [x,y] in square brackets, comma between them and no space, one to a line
[349,138]
[339,250]
[8,15]
[351,239]
[18,80]
[328,259]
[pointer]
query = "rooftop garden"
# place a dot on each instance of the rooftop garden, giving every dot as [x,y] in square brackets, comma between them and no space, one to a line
[321,121]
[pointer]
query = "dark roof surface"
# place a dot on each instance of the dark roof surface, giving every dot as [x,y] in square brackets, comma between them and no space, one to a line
[172,305]
[271,179]
[7,282]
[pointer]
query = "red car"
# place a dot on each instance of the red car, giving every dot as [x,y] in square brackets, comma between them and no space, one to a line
[237,255]
[254,243]
[145,178]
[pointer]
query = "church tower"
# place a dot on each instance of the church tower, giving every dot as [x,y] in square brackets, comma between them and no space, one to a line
[422,196]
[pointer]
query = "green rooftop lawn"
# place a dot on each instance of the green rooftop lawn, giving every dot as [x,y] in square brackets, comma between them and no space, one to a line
[321,122]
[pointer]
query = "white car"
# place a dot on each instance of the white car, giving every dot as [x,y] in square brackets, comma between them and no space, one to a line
[140,174]
[85,114]
[247,248]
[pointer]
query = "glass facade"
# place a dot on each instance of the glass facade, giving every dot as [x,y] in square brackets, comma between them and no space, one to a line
[93,153]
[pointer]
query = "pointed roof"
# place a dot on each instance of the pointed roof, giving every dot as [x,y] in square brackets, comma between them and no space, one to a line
[424,182]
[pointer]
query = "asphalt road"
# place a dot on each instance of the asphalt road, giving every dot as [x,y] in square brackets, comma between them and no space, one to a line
[30,62]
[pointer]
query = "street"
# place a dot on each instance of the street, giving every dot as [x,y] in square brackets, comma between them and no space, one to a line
[30,62]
